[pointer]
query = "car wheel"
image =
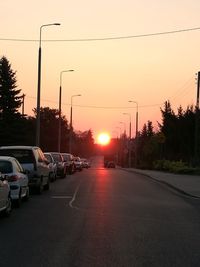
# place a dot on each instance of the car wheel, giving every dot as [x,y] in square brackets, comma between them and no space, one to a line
[19,200]
[46,186]
[8,208]
[27,194]
[39,188]
[63,174]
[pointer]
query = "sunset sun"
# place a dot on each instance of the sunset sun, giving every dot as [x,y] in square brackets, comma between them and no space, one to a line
[103,139]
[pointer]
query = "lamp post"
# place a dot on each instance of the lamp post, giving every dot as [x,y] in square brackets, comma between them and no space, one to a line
[39,84]
[70,132]
[60,97]
[129,150]
[136,130]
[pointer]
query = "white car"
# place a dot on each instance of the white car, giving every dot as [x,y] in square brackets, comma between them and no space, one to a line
[78,163]
[5,199]
[52,166]
[17,179]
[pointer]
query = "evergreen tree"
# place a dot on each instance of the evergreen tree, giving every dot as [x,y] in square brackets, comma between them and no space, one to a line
[10,100]
[11,125]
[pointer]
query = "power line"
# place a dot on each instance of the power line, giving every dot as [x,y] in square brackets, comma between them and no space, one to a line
[97,107]
[103,38]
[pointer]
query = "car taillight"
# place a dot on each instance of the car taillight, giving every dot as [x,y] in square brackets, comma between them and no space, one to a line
[12,178]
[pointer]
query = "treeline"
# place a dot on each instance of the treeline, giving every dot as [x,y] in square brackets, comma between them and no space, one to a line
[19,129]
[176,140]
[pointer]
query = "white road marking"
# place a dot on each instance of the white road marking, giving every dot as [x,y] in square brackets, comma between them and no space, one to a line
[74,198]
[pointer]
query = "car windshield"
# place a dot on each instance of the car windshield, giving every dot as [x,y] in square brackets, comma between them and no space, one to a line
[5,167]
[66,157]
[22,155]
[48,157]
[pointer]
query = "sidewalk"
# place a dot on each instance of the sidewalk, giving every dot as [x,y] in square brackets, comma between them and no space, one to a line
[187,184]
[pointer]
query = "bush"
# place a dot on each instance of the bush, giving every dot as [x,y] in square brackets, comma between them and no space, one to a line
[174,167]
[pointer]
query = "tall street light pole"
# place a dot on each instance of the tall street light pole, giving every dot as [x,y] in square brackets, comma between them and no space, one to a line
[136,130]
[60,103]
[39,84]
[70,133]
[129,147]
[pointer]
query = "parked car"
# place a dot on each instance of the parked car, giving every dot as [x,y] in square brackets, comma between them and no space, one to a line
[52,166]
[69,162]
[85,163]
[33,160]
[17,179]
[5,198]
[61,168]
[78,163]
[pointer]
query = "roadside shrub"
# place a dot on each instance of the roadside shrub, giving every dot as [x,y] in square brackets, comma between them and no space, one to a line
[178,167]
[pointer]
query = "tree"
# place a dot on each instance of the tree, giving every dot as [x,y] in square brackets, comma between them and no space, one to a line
[11,122]
[10,100]
[49,119]
[83,144]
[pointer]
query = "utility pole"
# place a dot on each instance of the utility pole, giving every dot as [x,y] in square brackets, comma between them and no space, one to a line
[23,97]
[197,124]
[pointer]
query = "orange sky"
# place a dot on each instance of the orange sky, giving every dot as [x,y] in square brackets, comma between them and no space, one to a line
[107,74]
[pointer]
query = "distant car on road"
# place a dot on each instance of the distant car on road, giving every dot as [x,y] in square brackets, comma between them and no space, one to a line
[17,178]
[33,160]
[110,164]
[5,198]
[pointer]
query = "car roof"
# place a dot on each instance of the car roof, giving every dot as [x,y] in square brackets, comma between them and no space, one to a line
[18,147]
[7,158]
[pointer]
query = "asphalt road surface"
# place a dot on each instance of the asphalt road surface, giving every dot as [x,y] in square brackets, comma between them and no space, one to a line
[103,217]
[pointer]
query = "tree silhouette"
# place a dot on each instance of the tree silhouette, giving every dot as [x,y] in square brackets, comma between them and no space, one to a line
[10,100]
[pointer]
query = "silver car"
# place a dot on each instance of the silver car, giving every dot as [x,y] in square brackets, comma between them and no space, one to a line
[32,160]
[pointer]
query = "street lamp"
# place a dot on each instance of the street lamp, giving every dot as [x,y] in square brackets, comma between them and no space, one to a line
[70,132]
[39,84]
[60,96]
[136,130]
[129,150]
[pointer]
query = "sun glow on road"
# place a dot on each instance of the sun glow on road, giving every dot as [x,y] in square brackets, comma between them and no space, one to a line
[103,139]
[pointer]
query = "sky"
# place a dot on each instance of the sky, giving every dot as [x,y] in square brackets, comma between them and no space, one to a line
[107,73]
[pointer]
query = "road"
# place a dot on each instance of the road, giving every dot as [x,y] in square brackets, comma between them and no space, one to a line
[103,217]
